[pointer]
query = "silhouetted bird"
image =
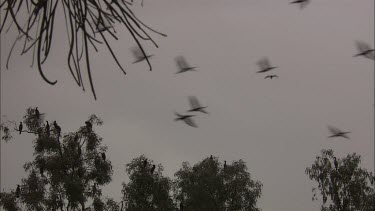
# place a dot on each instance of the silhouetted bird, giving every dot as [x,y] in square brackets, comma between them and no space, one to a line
[103,156]
[139,56]
[152,169]
[41,170]
[365,50]
[183,65]
[211,158]
[145,163]
[337,133]
[271,76]
[264,65]
[187,119]
[37,114]
[195,105]
[88,125]
[20,127]
[47,128]
[302,3]
[18,191]
[225,164]
[335,162]
[57,128]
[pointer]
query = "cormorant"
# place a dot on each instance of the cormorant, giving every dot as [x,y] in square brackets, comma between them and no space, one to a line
[88,125]
[337,133]
[145,163]
[195,105]
[57,127]
[335,162]
[152,169]
[225,164]
[183,65]
[47,128]
[264,65]
[37,114]
[103,156]
[186,118]
[211,158]
[18,191]
[20,127]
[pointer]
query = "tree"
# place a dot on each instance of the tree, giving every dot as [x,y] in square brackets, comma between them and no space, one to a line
[88,24]
[147,190]
[343,184]
[207,186]
[67,170]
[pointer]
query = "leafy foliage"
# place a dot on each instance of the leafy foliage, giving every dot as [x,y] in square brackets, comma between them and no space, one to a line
[209,186]
[343,185]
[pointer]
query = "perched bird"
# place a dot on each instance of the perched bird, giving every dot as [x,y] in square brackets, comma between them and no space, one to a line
[139,55]
[103,156]
[271,76]
[335,162]
[18,191]
[195,105]
[337,133]
[225,164]
[183,65]
[145,163]
[41,170]
[211,158]
[57,128]
[47,128]
[94,188]
[88,125]
[264,65]
[20,127]
[365,50]
[37,114]
[186,118]
[181,206]
[152,169]
[302,3]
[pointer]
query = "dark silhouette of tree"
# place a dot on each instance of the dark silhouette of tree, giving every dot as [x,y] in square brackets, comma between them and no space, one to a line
[59,177]
[346,187]
[208,186]
[88,24]
[146,191]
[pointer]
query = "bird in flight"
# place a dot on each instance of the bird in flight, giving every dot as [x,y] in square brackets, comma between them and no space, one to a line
[271,76]
[337,133]
[195,105]
[365,50]
[302,3]
[182,65]
[139,56]
[186,118]
[264,65]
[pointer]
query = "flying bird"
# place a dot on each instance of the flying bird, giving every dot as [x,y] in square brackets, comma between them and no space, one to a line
[337,133]
[271,76]
[264,65]
[18,191]
[20,127]
[186,118]
[152,169]
[365,50]
[183,65]
[195,105]
[139,56]
[302,3]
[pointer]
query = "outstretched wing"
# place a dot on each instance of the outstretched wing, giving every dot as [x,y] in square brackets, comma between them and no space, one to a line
[334,130]
[189,121]
[181,62]
[194,103]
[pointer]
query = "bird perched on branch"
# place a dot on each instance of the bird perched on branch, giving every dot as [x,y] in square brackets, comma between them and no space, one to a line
[37,114]
[47,129]
[88,126]
[302,3]
[20,127]
[57,128]
[139,55]
[18,191]
[186,118]
[365,50]
[182,65]
[145,163]
[152,169]
[337,133]
[103,156]
[195,105]
[264,65]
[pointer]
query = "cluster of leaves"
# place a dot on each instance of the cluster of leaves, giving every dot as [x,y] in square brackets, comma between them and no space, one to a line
[343,185]
[88,23]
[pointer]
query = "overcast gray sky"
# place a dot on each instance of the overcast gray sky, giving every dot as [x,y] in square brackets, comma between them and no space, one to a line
[276,126]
